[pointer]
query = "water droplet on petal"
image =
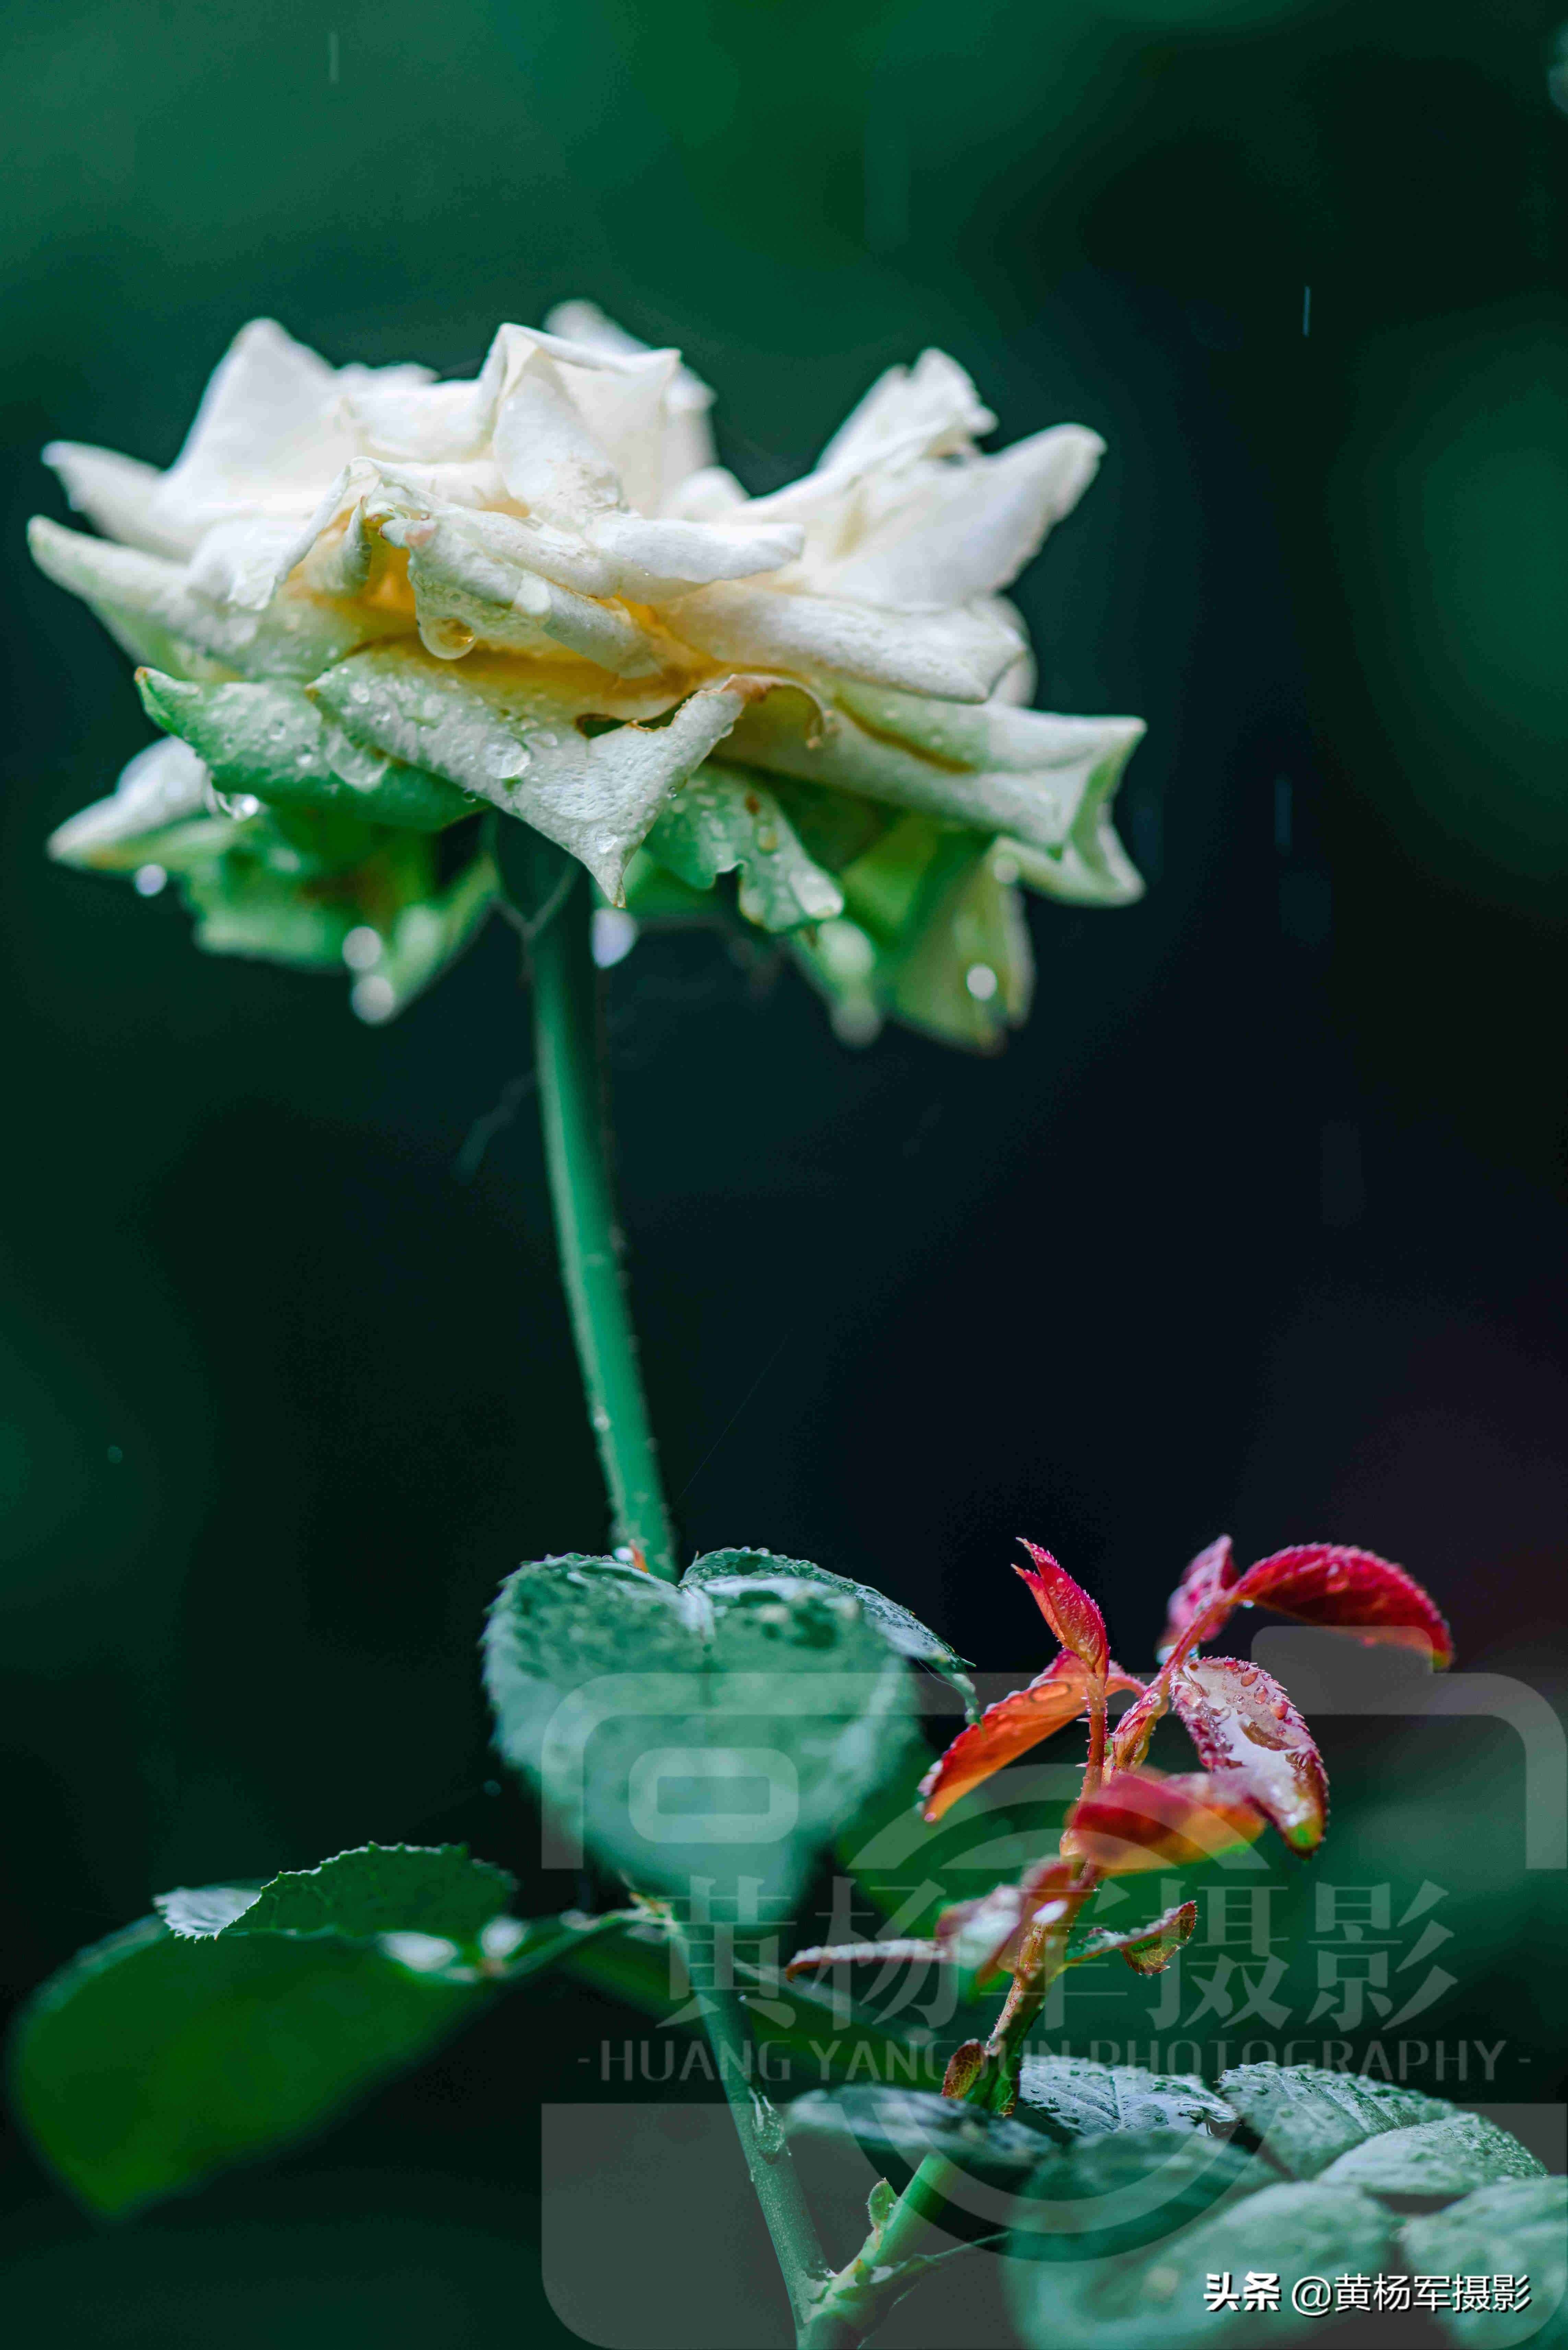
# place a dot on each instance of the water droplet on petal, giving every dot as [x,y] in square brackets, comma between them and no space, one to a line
[148,880]
[981,980]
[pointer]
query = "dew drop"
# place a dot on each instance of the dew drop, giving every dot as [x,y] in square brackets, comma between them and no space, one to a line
[362,947]
[981,980]
[374,998]
[148,880]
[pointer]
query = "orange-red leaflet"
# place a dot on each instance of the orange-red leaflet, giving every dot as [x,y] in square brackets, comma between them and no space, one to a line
[1241,1722]
[1211,1573]
[1147,1949]
[1011,1726]
[1067,1608]
[1140,1819]
[982,1938]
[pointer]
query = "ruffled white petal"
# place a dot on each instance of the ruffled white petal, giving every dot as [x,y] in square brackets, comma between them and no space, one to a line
[931,410]
[958,655]
[962,531]
[117,494]
[686,440]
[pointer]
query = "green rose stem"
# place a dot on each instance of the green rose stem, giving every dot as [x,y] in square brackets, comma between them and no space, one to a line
[550,893]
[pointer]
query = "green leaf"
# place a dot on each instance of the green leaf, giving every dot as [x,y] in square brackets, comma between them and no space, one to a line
[1151,2299]
[1117,2192]
[375,1889]
[693,1731]
[1518,2228]
[242,2018]
[1443,2157]
[905,2125]
[725,818]
[1068,2098]
[1306,2115]
[903,1632]
[273,741]
[150,2062]
[270,887]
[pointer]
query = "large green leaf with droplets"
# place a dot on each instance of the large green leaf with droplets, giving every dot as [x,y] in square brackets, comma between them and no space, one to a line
[242,2018]
[1518,2228]
[1153,2298]
[1307,2115]
[902,1631]
[717,1731]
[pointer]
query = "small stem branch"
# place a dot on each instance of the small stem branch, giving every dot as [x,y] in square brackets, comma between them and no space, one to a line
[568,1057]
[769,2162]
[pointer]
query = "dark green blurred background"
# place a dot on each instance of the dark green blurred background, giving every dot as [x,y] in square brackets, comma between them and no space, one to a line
[1260,1223]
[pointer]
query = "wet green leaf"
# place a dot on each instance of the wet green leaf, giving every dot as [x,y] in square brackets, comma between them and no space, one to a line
[905,2125]
[1307,2116]
[1517,2227]
[717,1731]
[1123,2189]
[1068,2098]
[375,1889]
[1151,2299]
[1441,2158]
[900,1630]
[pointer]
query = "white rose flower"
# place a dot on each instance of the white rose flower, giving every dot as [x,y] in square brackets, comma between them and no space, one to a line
[369,604]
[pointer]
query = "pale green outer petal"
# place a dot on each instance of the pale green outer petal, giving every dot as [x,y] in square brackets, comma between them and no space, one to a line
[163,785]
[725,818]
[297,636]
[995,768]
[116,493]
[509,735]
[979,928]
[967,530]
[931,410]
[273,741]
[958,655]
[427,940]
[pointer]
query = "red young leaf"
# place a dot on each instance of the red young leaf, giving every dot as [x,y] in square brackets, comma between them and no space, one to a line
[1147,1949]
[1067,1607]
[863,1954]
[1011,1726]
[1212,1572]
[1241,1722]
[981,1937]
[1129,1740]
[1140,1819]
[962,2065]
[1330,1583]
